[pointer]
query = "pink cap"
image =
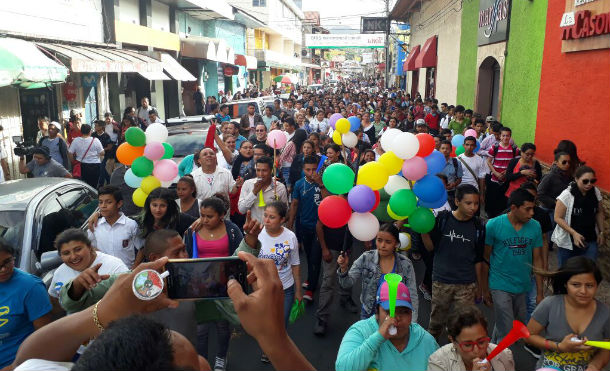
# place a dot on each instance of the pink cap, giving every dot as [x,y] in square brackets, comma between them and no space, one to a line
[403,297]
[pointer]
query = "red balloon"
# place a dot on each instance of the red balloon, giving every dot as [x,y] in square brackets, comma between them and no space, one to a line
[453,152]
[377,200]
[334,211]
[426,144]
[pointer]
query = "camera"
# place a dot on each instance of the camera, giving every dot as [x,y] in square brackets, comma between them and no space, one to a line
[22,148]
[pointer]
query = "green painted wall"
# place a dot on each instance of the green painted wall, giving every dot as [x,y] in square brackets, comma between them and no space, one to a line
[468,54]
[522,68]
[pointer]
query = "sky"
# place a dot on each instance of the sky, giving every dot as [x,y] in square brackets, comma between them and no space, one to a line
[345,13]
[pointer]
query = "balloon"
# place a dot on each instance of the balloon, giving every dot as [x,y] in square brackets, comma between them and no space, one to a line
[337,138]
[333,119]
[361,198]
[363,226]
[165,170]
[377,200]
[373,174]
[342,125]
[149,183]
[459,150]
[452,152]
[383,195]
[421,220]
[154,151]
[435,162]
[126,153]
[276,139]
[457,140]
[354,123]
[387,137]
[135,136]
[395,183]
[403,202]
[429,188]
[156,132]
[478,147]
[470,133]
[132,180]
[349,139]
[338,178]
[435,204]
[393,215]
[392,163]
[381,212]
[167,183]
[169,151]
[334,211]
[405,145]
[426,144]
[414,168]
[139,197]
[142,167]
[405,241]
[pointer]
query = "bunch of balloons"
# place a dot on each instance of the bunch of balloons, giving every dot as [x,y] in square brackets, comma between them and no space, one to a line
[344,129]
[401,184]
[458,141]
[149,158]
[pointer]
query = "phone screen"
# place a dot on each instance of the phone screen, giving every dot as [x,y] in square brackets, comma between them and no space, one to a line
[204,278]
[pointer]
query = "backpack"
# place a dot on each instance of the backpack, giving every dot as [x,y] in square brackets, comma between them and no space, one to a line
[441,222]
[497,146]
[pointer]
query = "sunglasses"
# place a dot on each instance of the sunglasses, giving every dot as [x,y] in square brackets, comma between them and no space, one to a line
[565,162]
[587,181]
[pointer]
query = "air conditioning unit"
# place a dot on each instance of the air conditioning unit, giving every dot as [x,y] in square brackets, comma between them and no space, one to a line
[304,52]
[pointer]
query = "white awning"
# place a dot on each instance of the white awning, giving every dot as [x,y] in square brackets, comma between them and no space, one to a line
[175,69]
[154,75]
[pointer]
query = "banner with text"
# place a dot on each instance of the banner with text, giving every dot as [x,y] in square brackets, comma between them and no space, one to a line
[344,41]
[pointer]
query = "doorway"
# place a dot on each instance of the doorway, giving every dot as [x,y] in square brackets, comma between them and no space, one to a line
[414,83]
[488,87]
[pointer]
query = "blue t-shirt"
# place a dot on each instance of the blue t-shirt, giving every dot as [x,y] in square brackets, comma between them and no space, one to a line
[23,299]
[512,253]
[309,197]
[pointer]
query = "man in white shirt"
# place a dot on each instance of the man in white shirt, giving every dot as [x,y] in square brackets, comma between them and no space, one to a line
[143,111]
[272,190]
[4,172]
[474,166]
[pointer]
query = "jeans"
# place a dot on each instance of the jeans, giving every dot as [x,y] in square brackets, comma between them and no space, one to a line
[507,307]
[223,332]
[286,175]
[329,287]
[590,251]
[531,300]
[288,301]
[104,176]
[314,256]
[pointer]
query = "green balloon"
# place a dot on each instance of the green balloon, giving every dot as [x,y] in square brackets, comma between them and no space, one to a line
[383,195]
[459,150]
[403,202]
[422,220]
[381,212]
[135,137]
[142,167]
[338,178]
[169,151]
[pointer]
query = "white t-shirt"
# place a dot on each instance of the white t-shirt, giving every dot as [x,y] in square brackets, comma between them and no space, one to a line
[79,146]
[2,156]
[283,250]
[478,165]
[65,274]
[221,181]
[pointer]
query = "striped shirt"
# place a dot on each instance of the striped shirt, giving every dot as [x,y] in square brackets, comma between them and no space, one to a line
[502,158]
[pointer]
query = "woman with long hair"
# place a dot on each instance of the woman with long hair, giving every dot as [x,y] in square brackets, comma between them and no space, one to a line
[161,212]
[296,169]
[569,147]
[290,151]
[523,169]
[187,201]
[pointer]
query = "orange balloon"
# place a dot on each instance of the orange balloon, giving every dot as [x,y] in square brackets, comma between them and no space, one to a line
[126,153]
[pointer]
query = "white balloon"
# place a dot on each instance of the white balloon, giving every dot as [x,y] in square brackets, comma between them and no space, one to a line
[404,145]
[405,241]
[363,226]
[156,132]
[349,139]
[395,183]
[387,137]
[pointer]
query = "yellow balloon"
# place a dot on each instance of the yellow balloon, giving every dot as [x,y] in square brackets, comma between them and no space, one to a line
[393,214]
[392,162]
[374,175]
[149,183]
[337,137]
[342,125]
[139,197]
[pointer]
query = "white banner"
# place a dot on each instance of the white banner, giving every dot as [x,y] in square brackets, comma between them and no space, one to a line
[344,41]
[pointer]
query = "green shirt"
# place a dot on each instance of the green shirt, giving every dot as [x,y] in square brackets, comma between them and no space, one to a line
[378,127]
[458,127]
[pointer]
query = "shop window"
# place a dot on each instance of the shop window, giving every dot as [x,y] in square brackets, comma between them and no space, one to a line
[259,3]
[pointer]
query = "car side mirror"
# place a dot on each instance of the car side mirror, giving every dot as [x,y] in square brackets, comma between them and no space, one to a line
[49,261]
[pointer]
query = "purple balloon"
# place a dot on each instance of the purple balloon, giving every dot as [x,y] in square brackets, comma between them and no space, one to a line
[361,198]
[333,119]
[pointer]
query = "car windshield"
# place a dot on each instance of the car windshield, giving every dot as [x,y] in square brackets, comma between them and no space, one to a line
[187,143]
[237,110]
[11,227]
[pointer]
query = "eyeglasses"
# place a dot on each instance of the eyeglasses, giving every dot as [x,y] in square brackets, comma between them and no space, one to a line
[468,346]
[7,263]
[587,181]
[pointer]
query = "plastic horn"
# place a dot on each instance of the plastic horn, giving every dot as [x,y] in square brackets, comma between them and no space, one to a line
[599,344]
[321,163]
[518,331]
[393,280]
[261,200]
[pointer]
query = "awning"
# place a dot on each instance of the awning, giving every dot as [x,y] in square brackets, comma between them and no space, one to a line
[222,51]
[427,56]
[175,69]
[22,64]
[311,65]
[92,59]
[247,61]
[409,64]
[198,47]
[155,68]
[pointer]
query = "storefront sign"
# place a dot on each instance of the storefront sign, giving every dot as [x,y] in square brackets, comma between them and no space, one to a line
[89,80]
[493,21]
[344,41]
[582,2]
[374,24]
[70,90]
[585,25]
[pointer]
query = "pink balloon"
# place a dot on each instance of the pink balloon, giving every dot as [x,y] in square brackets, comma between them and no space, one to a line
[276,139]
[414,168]
[470,133]
[154,151]
[165,170]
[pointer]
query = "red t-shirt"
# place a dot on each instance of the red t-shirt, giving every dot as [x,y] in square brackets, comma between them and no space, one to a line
[432,121]
[502,158]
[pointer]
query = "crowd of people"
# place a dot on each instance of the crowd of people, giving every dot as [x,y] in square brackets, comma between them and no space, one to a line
[490,244]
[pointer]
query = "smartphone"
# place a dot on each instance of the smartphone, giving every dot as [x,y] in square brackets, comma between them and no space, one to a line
[204,278]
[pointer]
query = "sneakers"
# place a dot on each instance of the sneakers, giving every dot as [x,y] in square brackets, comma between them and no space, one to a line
[535,352]
[264,358]
[305,285]
[308,295]
[220,364]
[320,328]
[425,292]
[349,305]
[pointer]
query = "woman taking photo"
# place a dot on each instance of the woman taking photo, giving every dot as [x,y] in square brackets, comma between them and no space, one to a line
[87,151]
[26,306]
[372,265]
[187,196]
[469,344]
[523,169]
[570,317]
[579,217]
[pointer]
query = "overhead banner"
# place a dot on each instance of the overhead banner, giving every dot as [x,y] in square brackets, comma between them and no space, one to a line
[344,41]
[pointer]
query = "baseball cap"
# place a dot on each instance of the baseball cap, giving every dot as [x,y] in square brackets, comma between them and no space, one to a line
[490,119]
[42,151]
[420,122]
[403,297]
[56,124]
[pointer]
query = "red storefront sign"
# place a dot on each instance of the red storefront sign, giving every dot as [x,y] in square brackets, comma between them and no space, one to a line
[70,91]
[586,25]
